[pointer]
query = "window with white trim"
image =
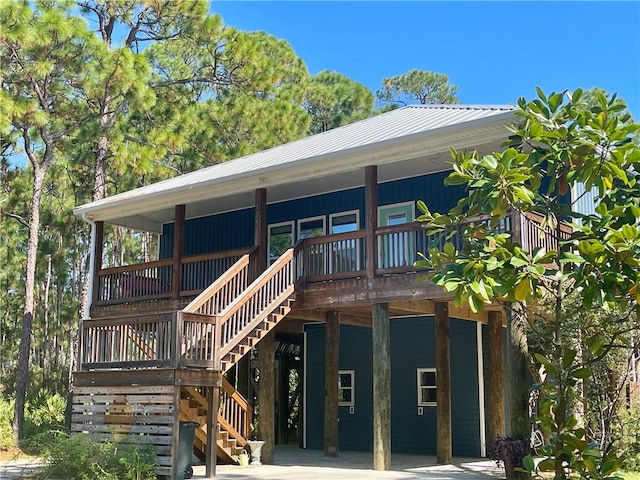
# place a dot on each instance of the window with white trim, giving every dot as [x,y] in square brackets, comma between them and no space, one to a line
[346,388]
[345,254]
[427,387]
[309,228]
[280,239]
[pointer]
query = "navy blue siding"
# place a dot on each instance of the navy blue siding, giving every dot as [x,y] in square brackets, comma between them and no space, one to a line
[212,234]
[355,430]
[412,347]
[314,385]
[235,229]
[428,188]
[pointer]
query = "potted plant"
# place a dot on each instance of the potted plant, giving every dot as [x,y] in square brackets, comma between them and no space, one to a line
[511,451]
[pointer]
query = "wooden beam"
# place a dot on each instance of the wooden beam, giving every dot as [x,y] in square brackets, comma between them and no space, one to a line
[366,291]
[443,379]
[331,353]
[178,249]
[495,410]
[371,218]
[212,431]
[97,260]
[260,239]
[300,317]
[267,394]
[381,339]
[414,307]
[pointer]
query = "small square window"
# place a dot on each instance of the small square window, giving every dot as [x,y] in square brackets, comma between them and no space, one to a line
[427,387]
[346,388]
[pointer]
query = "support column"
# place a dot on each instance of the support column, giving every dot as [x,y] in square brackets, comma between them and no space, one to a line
[495,409]
[266,395]
[178,250]
[331,354]
[371,218]
[97,260]
[212,431]
[443,380]
[260,239]
[381,337]
[518,377]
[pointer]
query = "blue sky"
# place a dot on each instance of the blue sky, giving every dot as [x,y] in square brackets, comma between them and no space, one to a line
[494,51]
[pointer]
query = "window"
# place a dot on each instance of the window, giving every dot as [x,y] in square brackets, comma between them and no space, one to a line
[344,222]
[426,387]
[345,254]
[346,388]
[396,249]
[308,228]
[280,239]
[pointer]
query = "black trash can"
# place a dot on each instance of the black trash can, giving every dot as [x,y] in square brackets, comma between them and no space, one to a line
[185,448]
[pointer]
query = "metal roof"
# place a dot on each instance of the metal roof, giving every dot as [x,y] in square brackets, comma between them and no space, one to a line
[395,127]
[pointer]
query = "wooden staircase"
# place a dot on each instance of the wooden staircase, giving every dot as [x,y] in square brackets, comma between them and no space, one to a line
[243,311]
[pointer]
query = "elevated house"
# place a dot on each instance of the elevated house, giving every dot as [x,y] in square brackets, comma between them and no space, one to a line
[303,253]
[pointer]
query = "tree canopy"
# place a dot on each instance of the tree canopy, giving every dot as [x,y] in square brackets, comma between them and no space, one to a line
[417,86]
[334,100]
[560,142]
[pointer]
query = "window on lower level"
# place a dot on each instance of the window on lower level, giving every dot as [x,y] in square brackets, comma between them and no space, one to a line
[427,387]
[346,388]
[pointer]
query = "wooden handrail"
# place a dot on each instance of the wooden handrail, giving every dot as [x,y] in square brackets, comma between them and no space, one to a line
[136,266]
[334,237]
[238,272]
[261,308]
[236,418]
[215,255]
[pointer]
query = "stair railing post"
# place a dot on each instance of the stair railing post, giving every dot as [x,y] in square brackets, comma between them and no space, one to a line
[217,343]
[177,340]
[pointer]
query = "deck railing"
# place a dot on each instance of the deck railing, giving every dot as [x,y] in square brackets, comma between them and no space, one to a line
[534,235]
[185,338]
[154,280]
[140,341]
[220,277]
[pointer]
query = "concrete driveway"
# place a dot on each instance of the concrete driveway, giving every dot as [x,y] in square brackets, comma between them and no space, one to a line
[293,463]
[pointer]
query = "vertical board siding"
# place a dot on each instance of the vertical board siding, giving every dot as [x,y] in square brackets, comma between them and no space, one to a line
[428,188]
[235,229]
[412,347]
[465,412]
[355,430]
[334,202]
[314,378]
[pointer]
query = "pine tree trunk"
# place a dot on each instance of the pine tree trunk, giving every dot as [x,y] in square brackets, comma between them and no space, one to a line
[29,301]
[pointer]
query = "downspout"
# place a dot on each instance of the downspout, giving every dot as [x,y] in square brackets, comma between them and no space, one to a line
[92,268]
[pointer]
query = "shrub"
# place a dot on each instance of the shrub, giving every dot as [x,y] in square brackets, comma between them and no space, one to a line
[6,417]
[628,433]
[77,457]
[43,413]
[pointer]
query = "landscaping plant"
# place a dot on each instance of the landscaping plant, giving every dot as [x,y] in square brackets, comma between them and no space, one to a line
[560,142]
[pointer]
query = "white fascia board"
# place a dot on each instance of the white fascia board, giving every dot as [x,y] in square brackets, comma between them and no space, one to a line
[388,151]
